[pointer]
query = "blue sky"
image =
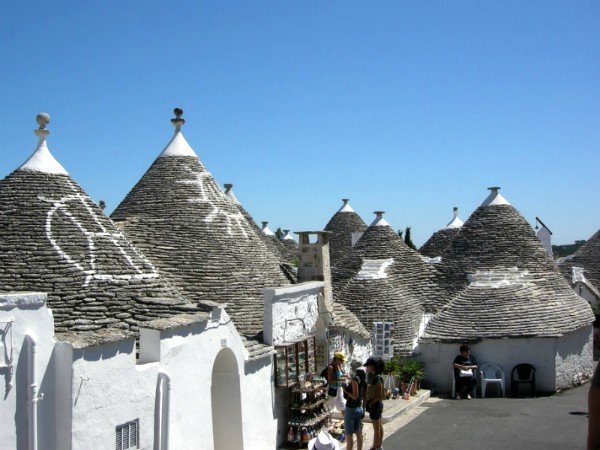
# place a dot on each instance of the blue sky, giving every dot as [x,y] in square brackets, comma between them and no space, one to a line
[409,107]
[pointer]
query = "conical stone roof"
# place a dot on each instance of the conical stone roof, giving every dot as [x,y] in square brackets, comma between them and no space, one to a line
[440,241]
[374,295]
[290,246]
[273,244]
[417,279]
[55,239]
[586,257]
[341,226]
[496,235]
[507,303]
[498,240]
[186,225]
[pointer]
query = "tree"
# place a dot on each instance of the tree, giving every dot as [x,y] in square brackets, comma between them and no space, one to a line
[279,233]
[407,239]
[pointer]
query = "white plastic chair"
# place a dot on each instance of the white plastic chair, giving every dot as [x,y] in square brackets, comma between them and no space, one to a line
[473,392]
[491,374]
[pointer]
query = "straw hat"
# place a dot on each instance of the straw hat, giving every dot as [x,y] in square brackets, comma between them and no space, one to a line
[324,441]
[340,356]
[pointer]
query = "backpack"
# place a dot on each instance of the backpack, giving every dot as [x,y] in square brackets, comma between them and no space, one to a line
[324,373]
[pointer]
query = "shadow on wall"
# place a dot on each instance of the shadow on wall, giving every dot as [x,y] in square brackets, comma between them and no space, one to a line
[107,351]
[20,382]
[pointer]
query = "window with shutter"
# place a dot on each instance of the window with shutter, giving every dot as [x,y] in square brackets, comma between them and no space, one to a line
[127,435]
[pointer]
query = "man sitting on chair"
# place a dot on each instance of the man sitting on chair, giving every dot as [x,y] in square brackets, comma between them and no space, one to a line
[464,372]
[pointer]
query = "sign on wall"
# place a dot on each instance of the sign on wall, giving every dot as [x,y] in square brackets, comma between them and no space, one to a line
[382,340]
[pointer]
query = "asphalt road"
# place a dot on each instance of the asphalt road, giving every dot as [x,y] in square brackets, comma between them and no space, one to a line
[556,422]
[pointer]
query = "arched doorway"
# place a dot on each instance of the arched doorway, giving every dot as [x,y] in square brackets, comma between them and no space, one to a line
[226,403]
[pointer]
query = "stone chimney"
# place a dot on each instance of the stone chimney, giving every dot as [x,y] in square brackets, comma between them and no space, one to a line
[314,261]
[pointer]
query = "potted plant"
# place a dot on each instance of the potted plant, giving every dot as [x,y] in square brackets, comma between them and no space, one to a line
[412,369]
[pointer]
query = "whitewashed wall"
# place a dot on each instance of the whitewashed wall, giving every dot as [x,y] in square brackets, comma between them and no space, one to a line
[584,292]
[30,316]
[574,358]
[109,388]
[507,353]
[291,312]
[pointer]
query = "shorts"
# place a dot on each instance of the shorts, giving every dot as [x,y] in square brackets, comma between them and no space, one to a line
[353,420]
[376,411]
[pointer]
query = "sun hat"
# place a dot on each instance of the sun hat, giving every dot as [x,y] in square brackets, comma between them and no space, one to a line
[324,441]
[340,356]
[355,365]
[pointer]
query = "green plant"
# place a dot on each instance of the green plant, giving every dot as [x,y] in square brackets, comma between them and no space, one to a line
[392,367]
[411,368]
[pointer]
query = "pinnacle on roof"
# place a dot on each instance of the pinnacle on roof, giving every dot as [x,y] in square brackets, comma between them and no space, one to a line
[346,206]
[55,239]
[229,193]
[199,239]
[287,236]
[178,146]
[495,198]
[42,160]
[343,225]
[266,230]
[440,241]
[379,220]
[455,222]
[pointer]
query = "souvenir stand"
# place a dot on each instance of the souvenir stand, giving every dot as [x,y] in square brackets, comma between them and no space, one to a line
[295,369]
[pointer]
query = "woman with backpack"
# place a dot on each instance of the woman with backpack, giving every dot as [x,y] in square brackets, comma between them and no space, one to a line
[375,396]
[354,413]
[335,377]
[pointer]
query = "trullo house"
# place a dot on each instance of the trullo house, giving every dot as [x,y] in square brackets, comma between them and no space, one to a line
[511,304]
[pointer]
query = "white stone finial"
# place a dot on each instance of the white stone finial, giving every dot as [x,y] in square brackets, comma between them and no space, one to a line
[42,160]
[229,193]
[455,222]
[43,119]
[178,146]
[177,121]
[379,220]
[287,235]
[346,206]
[266,230]
[495,198]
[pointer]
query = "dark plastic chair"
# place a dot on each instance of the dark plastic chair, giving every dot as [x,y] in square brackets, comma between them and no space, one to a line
[522,373]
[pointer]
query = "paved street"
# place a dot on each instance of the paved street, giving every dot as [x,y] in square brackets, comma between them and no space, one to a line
[557,422]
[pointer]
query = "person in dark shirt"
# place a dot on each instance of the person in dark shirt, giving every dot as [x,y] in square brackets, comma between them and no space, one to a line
[464,372]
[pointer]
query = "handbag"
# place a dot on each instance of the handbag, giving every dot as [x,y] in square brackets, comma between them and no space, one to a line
[332,391]
[465,373]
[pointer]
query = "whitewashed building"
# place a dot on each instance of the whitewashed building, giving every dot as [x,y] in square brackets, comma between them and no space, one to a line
[105,347]
[510,304]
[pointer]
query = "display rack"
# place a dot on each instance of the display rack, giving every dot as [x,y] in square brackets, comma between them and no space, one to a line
[294,360]
[308,412]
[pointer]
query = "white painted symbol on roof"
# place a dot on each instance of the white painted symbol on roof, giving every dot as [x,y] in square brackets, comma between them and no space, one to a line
[211,194]
[136,262]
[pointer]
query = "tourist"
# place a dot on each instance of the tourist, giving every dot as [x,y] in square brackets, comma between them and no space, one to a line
[324,441]
[353,414]
[594,412]
[375,396]
[464,372]
[335,378]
